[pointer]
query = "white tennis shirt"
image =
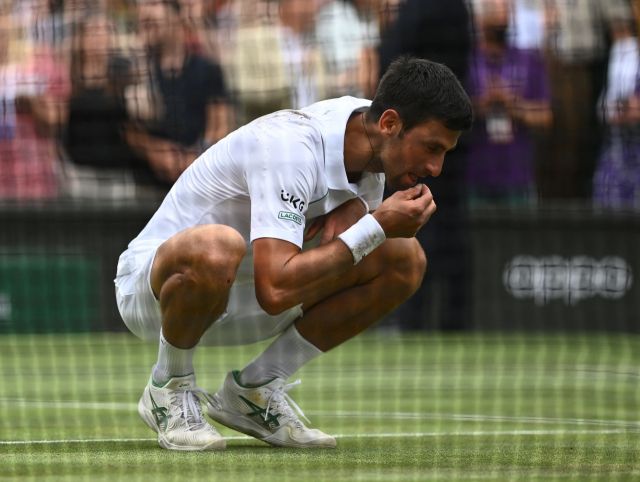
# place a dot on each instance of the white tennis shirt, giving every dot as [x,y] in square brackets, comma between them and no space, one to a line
[268,179]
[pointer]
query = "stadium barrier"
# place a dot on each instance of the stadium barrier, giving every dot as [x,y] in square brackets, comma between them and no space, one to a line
[555,270]
[533,269]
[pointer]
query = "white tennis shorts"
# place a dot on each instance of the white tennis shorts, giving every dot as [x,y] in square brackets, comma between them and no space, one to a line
[243,322]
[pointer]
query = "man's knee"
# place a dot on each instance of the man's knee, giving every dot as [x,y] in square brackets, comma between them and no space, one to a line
[201,260]
[407,265]
[414,265]
[215,245]
[209,272]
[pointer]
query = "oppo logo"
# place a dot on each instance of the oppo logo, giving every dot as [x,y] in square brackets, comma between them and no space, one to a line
[549,278]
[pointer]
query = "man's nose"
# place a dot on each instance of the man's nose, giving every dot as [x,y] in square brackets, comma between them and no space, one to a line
[435,166]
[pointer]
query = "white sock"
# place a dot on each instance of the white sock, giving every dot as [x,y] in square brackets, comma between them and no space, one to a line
[172,362]
[281,359]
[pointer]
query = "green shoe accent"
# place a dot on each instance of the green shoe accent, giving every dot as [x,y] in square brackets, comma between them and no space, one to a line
[160,414]
[236,377]
[260,414]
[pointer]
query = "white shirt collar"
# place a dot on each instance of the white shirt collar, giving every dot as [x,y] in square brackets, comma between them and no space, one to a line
[332,116]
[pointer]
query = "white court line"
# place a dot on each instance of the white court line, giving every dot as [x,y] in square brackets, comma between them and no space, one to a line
[342,413]
[361,435]
[21,402]
[473,418]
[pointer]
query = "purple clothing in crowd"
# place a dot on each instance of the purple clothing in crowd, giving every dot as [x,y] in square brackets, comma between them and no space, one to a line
[505,168]
[616,182]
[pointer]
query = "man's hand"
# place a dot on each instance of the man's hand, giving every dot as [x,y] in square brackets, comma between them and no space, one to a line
[337,221]
[169,159]
[164,159]
[404,213]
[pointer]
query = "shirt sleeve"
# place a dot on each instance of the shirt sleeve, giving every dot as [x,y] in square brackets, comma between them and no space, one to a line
[281,180]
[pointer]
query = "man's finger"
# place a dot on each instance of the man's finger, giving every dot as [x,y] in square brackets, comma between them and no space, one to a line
[327,235]
[425,198]
[413,192]
[428,212]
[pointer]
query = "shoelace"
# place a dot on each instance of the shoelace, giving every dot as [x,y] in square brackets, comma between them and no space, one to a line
[279,397]
[191,399]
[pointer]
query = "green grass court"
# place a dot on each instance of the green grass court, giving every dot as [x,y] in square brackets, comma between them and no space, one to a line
[418,407]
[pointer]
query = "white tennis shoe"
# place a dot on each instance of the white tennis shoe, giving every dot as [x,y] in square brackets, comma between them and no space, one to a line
[264,413]
[175,413]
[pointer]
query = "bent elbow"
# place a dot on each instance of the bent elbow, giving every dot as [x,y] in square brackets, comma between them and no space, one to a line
[271,301]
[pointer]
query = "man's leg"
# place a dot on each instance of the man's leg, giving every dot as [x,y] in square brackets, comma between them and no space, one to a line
[377,285]
[253,401]
[191,277]
[374,287]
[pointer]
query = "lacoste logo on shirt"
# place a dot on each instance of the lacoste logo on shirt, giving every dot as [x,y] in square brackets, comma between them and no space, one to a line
[290,217]
[290,198]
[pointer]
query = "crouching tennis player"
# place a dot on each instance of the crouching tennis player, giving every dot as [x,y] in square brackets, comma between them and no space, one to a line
[280,230]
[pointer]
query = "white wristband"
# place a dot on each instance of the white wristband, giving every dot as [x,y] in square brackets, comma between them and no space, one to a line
[363,237]
[366,206]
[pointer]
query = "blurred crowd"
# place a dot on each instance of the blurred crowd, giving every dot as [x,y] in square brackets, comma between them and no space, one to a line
[115,98]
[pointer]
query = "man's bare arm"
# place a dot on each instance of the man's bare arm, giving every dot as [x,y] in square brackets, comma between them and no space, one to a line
[218,122]
[286,277]
[336,222]
[168,159]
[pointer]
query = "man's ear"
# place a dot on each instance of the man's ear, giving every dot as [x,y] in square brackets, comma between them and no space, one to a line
[390,124]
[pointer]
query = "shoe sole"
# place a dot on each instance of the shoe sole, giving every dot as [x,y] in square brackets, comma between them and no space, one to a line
[213,446]
[148,419]
[249,427]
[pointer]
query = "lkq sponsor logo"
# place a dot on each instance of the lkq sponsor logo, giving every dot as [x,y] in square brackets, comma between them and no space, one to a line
[549,278]
[290,198]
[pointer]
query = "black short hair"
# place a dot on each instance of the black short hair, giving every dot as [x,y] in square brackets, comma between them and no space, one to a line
[419,91]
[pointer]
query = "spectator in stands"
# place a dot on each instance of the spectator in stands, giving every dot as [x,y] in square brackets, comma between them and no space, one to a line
[200,32]
[98,119]
[617,176]
[527,25]
[509,89]
[188,111]
[348,36]
[34,87]
[276,63]
[577,60]
[431,29]
[41,20]
[301,57]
